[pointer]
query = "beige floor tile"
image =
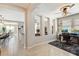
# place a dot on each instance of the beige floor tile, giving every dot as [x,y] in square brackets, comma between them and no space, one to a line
[40,50]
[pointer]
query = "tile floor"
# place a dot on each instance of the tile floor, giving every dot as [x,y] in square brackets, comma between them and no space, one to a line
[40,50]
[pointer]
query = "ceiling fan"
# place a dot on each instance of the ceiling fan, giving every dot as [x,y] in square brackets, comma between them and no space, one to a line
[64,9]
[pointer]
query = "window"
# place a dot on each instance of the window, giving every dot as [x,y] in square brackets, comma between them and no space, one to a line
[9,28]
[76,25]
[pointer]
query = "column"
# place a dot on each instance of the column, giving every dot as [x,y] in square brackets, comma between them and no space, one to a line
[41,25]
[29,28]
[49,31]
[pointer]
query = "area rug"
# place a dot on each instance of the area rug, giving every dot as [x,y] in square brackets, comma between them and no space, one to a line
[72,48]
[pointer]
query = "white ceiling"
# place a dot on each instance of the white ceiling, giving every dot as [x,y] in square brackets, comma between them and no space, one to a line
[51,9]
[25,5]
[22,5]
[41,7]
[45,8]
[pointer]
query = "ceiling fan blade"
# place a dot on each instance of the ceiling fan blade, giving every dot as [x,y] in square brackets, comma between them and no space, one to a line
[72,5]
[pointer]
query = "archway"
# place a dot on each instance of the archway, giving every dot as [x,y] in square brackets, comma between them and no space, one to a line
[14,21]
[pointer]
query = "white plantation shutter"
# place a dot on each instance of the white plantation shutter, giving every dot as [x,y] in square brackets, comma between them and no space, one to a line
[76,24]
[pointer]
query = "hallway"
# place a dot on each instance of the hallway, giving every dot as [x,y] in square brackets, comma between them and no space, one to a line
[35,24]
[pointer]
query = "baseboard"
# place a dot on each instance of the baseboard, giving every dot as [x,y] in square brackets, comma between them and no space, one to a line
[39,44]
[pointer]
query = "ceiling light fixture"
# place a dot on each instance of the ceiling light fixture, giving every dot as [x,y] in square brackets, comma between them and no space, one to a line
[66,8]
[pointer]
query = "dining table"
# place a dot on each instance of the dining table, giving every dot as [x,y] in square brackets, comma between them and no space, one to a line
[74,35]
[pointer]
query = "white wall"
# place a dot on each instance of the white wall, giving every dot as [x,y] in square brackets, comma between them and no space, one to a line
[43,38]
[33,40]
[74,16]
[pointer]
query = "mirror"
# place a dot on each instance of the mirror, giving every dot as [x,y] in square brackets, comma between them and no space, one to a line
[37,25]
[46,25]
